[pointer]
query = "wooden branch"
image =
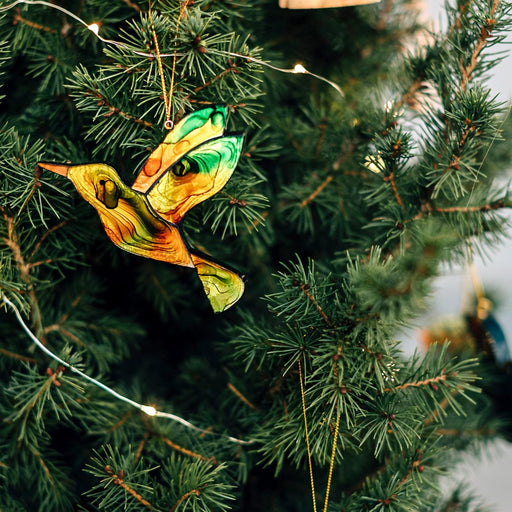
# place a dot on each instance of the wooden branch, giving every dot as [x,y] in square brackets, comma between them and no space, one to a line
[245,400]
[312,299]
[119,480]
[317,191]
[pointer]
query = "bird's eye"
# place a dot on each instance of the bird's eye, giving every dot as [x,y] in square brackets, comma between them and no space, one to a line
[185,166]
[181,168]
[108,193]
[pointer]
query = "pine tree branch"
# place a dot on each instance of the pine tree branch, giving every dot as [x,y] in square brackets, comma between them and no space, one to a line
[41,461]
[245,400]
[197,492]
[478,432]
[132,5]
[142,443]
[8,353]
[121,422]
[45,236]
[103,102]
[185,451]
[312,299]
[433,381]
[408,97]
[24,270]
[18,18]
[485,33]
[390,178]
[214,79]
[317,191]
[119,480]
[441,407]
[321,138]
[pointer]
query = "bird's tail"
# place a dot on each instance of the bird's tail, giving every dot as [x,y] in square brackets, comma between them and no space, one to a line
[222,286]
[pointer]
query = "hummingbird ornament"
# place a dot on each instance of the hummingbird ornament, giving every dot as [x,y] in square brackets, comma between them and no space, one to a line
[194,161]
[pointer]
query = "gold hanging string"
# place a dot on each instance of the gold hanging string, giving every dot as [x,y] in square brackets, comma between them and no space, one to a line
[333,455]
[307,437]
[169,123]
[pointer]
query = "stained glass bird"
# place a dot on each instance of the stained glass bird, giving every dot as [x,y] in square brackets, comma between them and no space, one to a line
[195,160]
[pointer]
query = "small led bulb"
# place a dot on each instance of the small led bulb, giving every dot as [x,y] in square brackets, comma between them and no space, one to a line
[148,409]
[94,27]
[299,68]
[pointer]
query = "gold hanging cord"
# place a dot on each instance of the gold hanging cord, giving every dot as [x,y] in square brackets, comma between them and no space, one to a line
[169,123]
[333,454]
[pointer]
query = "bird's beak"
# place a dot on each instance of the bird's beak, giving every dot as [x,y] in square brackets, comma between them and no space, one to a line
[61,169]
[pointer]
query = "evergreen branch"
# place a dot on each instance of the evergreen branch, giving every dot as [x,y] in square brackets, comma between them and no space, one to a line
[103,102]
[44,236]
[321,138]
[119,480]
[197,492]
[443,404]
[45,467]
[122,421]
[35,185]
[142,443]
[409,95]
[217,77]
[432,382]
[484,35]
[477,432]
[254,225]
[305,289]
[317,191]
[390,178]
[132,5]
[185,451]
[495,205]
[19,18]
[24,270]
[245,400]
[8,353]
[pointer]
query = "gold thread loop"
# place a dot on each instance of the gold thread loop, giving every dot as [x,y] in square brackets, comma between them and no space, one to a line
[168,123]
[307,437]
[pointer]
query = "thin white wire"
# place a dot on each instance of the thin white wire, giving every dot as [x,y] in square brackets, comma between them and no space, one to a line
[118,44]
[148,409]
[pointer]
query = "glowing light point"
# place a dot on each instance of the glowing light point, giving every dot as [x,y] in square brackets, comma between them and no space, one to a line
[94,27]
[299,68]
[148,409]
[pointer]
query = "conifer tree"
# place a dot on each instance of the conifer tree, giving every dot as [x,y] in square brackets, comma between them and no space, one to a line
[339,214]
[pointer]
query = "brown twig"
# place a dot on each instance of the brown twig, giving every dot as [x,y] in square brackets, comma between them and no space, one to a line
[312,299]
[119,480]
[17,356]
[317,191]
[420,383]
[24,270]
[18,18]
[390,178]
[245,400]
[197,492]
[45,236]
[485,33]
[103,102]
[186,451]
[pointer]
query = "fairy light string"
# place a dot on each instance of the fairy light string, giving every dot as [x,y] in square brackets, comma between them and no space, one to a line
[147,409]
[94,27]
